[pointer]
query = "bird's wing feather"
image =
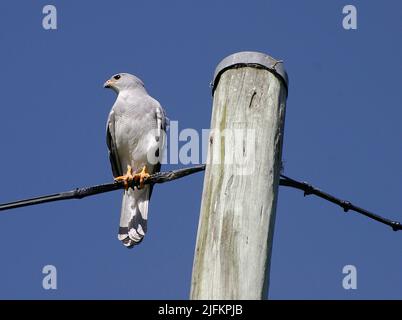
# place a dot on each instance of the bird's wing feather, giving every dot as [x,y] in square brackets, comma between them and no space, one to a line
[110,141]
[159,137]
[160,125]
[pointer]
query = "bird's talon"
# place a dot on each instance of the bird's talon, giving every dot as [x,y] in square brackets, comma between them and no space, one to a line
[127,178]
[141,177]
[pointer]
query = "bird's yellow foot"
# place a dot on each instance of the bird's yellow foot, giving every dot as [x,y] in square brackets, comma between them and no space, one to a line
[127,178]
[141,177]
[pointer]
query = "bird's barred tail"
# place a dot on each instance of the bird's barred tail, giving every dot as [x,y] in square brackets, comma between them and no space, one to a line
[134,216]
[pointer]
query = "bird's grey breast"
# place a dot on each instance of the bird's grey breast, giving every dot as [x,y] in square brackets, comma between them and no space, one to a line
[134,120]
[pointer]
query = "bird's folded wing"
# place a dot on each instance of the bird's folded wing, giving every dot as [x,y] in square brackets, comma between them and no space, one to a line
[111,144]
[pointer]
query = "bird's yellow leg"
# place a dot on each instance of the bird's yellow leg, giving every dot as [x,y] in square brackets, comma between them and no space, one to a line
[141,177]
[127,178]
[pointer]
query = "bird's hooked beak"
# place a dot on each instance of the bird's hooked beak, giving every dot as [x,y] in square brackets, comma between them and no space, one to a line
[108,84]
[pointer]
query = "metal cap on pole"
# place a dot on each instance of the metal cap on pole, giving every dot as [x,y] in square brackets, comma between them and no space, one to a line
[250,59]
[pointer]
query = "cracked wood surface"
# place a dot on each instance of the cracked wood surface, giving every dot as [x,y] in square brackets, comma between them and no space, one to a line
[236,225]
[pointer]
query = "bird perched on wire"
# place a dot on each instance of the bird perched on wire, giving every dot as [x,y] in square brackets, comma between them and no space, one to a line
[135,134]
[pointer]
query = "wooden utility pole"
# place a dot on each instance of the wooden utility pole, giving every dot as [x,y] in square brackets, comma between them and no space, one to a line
[234,241]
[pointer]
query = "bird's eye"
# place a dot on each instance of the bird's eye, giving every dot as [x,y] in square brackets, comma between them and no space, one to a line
[117,77]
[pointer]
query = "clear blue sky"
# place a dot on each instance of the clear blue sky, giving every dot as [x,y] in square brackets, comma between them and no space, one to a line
[343,134]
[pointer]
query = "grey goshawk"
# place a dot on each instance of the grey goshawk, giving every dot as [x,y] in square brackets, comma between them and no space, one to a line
[135,134]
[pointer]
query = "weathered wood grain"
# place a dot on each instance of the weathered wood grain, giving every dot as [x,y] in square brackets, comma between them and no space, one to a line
[234,240]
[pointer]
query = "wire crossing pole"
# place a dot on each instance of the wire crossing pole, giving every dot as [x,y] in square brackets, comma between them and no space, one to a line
[234,240]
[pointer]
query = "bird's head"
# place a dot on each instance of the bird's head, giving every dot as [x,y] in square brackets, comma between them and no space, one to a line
[123,81]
